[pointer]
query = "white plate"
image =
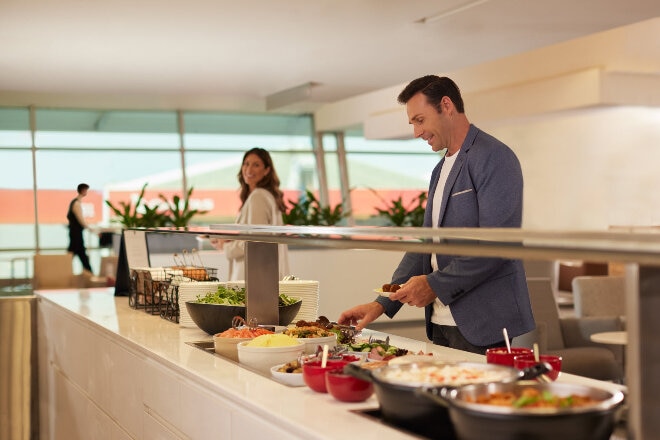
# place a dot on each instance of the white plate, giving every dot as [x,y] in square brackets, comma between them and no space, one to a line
[291,379]
[381,293]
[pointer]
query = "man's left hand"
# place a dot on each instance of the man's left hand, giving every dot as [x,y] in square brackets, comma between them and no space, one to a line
[415,292]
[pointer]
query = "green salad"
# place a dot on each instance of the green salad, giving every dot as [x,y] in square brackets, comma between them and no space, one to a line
[235,296]
[380,350]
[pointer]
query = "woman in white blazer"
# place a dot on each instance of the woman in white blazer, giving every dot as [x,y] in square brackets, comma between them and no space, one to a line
[262,204]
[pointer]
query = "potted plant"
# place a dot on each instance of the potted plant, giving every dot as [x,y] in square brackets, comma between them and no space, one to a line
[308,211]
[399,214]
[179,213]
[176,213]
[128,215]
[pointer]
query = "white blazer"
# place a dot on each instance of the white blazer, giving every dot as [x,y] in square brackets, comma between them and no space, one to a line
[259,209]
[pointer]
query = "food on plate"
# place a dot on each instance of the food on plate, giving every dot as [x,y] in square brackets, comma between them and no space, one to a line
[235,296]
[373,365]
[345,334]
[291,367]
[444,374]
[310,331]
[408,358]
[245,332]
[273,340]
[391,288]
[534,398]
[378,350]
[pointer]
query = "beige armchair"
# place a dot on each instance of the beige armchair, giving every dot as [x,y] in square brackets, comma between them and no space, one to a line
[53,271]
[569,337]
[599,296]
[109,266]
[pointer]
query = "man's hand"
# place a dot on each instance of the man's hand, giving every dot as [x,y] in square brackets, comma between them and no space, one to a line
[415,292]
[360,316]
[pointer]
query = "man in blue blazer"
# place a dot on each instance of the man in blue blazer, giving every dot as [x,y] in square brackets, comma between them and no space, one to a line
[478,183]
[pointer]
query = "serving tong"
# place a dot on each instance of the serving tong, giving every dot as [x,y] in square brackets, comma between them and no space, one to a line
[538,372]
[238,322]
[347,330]
[334,353]
[188,258]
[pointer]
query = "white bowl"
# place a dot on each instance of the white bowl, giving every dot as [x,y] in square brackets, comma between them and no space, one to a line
[291,379]
[311,344]
[227,346]
[263,358]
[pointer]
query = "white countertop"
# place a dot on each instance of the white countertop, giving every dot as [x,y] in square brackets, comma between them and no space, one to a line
[299,410]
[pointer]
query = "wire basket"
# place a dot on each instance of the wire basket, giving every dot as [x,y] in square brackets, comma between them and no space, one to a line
[169,307]
[156,290]
[195,273]
[190,265]
[145,289]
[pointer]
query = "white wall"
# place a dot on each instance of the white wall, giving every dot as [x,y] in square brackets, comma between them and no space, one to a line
[589,166]
[348,277]
[588,169]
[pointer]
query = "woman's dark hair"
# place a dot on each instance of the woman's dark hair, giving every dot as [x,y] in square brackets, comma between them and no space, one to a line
[270,182]
[434,88]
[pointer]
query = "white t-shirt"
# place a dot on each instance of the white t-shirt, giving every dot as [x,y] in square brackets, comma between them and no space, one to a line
[441,313]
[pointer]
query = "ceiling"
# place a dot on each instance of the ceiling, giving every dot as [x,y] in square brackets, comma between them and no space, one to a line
[234,55]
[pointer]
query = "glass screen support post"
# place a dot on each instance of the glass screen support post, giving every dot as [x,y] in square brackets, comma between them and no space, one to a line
[642,353]
[262,282]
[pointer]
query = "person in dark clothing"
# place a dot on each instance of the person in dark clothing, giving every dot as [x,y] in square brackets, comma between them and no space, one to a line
[76,226]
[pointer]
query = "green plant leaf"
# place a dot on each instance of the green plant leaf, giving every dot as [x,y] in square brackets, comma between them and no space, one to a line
[178,212]
[307,211]
[398,214]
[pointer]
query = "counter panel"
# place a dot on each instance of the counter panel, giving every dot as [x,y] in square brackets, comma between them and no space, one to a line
[143,381]
[138,371]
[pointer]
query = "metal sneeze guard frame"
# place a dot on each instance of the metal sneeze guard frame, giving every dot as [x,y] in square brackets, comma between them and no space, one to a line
[637,247]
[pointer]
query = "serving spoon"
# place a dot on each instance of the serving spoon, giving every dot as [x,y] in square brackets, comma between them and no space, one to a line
[506,340]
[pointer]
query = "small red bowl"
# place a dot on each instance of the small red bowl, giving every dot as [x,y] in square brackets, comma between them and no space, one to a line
[347,388]
[501,356]
[351,357]
[314,374]
[527,360]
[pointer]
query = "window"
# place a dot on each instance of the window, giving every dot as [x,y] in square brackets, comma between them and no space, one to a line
[380,171]
[117,152]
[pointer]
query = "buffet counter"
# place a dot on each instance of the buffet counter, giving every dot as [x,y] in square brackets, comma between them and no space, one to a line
[109,371]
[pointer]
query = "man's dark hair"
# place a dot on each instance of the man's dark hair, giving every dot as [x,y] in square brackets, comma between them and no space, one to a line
[82,187]
[434,88]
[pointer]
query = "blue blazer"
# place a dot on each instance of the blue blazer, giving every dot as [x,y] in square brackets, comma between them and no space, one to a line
[485,295]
